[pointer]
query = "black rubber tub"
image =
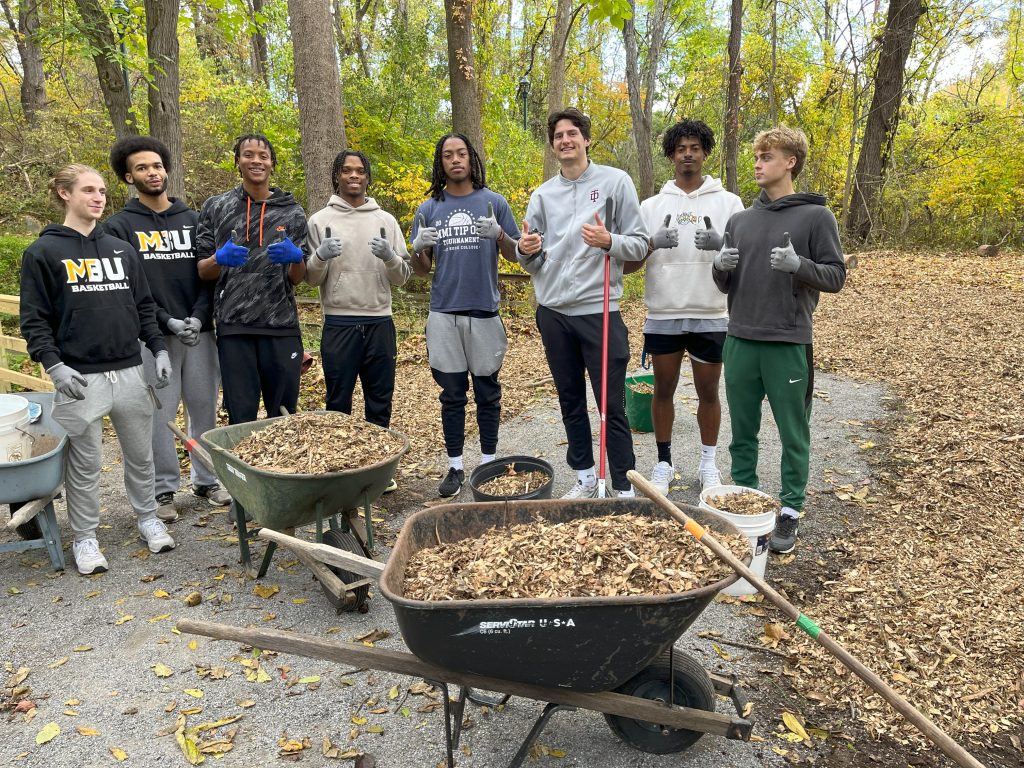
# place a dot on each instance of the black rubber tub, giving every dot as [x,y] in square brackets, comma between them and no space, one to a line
[498,467]
[586,644]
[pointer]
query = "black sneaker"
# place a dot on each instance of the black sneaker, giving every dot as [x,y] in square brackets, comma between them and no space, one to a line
[783,538]
[452,483]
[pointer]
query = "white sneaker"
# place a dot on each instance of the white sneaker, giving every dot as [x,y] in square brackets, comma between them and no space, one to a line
[709,477]
[630,494]
[88,557]
[155,535]
[661,476]
[581,491]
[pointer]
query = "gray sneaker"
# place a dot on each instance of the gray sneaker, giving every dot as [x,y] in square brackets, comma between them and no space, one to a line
[213,494]
[165,509]
[581,491]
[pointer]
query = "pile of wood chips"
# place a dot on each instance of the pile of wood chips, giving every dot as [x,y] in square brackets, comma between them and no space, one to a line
[612,555]
[514,483]
[746,503]
[314,443]
[642,387]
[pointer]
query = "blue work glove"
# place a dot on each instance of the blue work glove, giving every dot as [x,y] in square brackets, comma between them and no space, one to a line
[285,252]
[230,254]
[785,259]
[163,369]
[381,248]
[665,237]
[707,239]
[68,381]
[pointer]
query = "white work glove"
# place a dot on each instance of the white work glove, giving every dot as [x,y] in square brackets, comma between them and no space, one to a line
[426,237]
[68,381]
[665,237]
[381,248]
[487,227]
[728,258]
[163,369]
[785,259]
[329,248]
[707,239]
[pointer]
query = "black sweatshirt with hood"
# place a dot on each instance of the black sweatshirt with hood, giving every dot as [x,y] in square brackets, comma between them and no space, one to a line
[85,301]
[770,305]
[166,242]
[257,297]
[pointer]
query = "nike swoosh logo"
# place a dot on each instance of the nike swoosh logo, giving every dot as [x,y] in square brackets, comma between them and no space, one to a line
[116,251]
[794,381]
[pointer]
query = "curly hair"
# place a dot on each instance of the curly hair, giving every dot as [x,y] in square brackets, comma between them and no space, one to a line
[339,161]
[574,116]
[437,178]
[684,129]
[260,139]
[128,146]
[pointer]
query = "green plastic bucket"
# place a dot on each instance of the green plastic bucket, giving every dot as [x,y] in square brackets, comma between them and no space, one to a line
[638,404]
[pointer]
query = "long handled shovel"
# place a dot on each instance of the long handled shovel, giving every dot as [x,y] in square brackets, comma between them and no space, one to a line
[609,210]
[936,735]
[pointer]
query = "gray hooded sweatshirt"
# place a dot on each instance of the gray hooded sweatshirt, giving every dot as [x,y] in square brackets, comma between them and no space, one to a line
[769,305]
[571,279]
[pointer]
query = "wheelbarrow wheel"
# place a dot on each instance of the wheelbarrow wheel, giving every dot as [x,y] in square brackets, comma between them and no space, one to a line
[692,688]
[347,541]
[28,531]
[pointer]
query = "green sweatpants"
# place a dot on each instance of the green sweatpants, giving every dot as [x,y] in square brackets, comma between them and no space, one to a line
[785,373]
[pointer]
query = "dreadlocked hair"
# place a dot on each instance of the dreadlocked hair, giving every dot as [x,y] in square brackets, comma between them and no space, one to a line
[437,178]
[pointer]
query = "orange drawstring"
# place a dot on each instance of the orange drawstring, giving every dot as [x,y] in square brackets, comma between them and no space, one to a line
[262,211]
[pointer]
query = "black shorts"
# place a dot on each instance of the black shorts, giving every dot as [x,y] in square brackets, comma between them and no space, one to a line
[701,347]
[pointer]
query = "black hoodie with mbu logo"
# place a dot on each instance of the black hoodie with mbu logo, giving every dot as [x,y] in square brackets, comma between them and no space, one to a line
[166,241]
[257,297]
[85,301]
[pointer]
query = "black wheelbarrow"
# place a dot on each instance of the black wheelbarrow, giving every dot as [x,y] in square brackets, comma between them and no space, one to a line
[283,502]
[614,655]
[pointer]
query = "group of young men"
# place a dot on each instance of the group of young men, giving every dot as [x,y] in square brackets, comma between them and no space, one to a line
[212,299]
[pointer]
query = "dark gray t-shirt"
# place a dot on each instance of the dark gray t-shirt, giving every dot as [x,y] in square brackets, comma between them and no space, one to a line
[465,266]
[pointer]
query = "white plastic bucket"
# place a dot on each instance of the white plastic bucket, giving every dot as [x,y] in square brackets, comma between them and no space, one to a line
[15,443]
[757,528]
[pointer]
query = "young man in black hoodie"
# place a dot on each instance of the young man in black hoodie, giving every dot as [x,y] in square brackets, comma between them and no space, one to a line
[252,241]
[163,231]
[85,305]
[777,255]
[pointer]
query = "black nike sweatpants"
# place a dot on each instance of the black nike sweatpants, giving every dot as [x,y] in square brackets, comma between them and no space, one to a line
[252,365]
[368,351]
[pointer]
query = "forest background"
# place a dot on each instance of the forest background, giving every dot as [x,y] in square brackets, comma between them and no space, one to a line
[913,112]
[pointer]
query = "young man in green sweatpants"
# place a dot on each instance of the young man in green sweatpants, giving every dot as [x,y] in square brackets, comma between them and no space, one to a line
[777,255]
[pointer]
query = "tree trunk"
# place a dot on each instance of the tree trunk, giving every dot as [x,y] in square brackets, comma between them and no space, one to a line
[204,22]
[883,115]
[641,94]
[556,72]
[33,79]
[164,86]
[318,83]
[773,104]
[96,28]
[731,142]
[260,57]
[462,75]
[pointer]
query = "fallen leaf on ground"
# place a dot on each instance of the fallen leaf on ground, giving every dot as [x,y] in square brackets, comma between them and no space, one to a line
[119,754]
[48,732]
[86,731]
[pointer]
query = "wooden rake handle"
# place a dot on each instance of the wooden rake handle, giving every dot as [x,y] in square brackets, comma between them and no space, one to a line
[936,735]
[195,450]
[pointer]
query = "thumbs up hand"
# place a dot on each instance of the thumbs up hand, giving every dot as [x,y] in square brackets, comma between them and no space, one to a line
[707,239]
[785,258]
[330,247]
[380,247]
[426,237]
[230,254]
[728,258]
[667,236]
[530,243]
[487,226]
[596,235]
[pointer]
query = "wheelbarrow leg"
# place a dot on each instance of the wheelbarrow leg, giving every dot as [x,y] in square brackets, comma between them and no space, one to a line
[542,721]
[369,523]
[243,539]
[51,535]
[452,733]
[271,546]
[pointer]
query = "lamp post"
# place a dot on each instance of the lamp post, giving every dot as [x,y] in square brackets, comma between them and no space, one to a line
[523,94]
[121,21]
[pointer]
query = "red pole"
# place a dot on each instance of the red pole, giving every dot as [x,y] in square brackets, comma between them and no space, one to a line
[604,378]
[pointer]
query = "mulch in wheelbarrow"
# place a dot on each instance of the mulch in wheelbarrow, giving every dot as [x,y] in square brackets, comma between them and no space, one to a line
[315,443]
[607,556]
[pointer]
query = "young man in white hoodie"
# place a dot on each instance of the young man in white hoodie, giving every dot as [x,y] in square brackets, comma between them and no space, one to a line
[686,313]
[358,256]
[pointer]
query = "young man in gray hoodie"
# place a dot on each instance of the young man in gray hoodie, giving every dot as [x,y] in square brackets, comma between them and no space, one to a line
[778,255]
[563,246]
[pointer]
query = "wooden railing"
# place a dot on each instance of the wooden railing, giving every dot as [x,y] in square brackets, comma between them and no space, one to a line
[10,305]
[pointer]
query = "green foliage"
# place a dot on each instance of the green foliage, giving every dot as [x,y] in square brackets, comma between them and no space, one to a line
[11,249]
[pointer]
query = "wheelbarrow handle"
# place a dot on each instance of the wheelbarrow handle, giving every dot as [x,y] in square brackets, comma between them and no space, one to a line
[936,735]
[195,449]
[324,553]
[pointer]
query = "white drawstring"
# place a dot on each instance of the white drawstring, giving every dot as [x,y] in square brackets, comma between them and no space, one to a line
[111,376]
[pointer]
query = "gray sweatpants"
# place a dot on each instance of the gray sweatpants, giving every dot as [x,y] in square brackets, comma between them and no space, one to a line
[457,343]
[123,396]
[195,378]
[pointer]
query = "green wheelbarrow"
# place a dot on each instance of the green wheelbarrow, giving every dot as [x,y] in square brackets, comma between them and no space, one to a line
[283,502]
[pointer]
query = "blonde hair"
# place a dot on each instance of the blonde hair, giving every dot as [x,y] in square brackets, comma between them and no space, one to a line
[792,141]
[65,178]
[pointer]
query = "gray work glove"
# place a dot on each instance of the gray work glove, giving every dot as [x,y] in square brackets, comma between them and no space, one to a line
[183,331]
[163,369]
[68,381]
[728,258]
[426,237]
[707,239]
[381,248]
[785,259]
[487,227]
[191,335]
[195,324]
[329,248]
[666,236]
